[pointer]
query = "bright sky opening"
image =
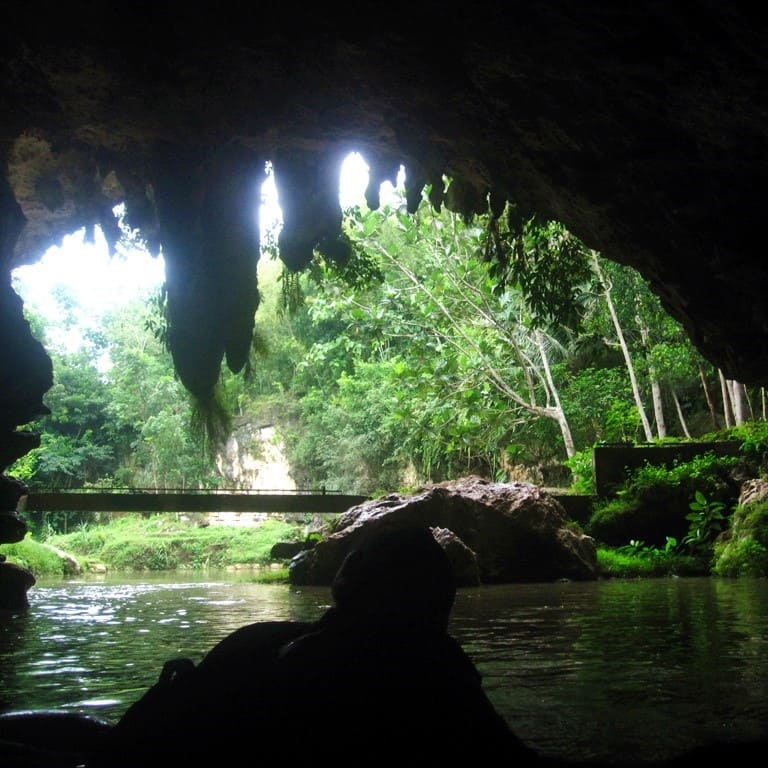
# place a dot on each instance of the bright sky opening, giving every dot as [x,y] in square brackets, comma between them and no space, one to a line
[85,276]
[95,282]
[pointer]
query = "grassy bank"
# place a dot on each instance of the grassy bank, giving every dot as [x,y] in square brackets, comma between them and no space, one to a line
[157,543]
[164,543]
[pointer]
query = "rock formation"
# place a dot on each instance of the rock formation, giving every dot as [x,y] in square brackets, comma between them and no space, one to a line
[253,457]
[495,533]
[15,580]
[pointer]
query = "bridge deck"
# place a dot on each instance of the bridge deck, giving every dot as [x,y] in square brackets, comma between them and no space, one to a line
[212,501]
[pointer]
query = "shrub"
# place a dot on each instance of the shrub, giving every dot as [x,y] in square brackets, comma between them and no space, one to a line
[754,440]
[745,557]
[654,502]
[638,560]
[582,472]
[706,520]
[87,541]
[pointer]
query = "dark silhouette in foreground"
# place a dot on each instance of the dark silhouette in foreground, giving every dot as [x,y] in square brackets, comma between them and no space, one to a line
[376,679]
[378,676]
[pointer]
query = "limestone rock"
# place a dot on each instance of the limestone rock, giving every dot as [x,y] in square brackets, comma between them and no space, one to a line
[517,532]
[604,117]
[463,559]
[753,491]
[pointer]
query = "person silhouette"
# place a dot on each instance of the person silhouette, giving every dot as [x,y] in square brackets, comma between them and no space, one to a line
[380,675]
[377,677]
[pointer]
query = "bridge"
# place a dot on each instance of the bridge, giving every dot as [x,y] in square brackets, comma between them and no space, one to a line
[184,500]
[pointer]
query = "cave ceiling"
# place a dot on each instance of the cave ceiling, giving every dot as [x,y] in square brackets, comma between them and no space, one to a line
[641,126]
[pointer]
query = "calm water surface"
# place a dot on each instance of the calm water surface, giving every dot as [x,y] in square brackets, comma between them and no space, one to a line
[632,669]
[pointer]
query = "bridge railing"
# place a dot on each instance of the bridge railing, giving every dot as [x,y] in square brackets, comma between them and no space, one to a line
[130,489]
[316,501]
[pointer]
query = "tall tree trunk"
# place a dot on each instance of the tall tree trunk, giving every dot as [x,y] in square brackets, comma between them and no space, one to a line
[680,416]
[727,411]
[738,394]
[750,416]
[658,407]
[658,403]
[708,396]
[624,348]
[565,429]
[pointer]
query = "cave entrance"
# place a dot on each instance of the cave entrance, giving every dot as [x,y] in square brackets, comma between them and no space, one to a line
[77,282]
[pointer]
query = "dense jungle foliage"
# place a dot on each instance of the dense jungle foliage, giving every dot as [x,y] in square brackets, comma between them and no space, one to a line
[403,355]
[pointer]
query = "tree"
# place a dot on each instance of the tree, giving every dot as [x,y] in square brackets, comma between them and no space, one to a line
[76,448]
[607,286]
[151,413]
[471,364]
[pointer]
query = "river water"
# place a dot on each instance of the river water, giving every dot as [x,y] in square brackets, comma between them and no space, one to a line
[639,669]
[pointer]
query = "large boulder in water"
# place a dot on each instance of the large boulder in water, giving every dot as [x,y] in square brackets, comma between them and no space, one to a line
[14,583]
[517,532]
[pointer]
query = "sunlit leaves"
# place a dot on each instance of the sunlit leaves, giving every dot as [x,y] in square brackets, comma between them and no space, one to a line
[547,263]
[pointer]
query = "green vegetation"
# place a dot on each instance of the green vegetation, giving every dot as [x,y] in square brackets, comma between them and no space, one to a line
[706,522]
[158,543]
[712,536]
[686,519]
[744,550]
[418,348]
[39,558]
[638,560]
[654,502]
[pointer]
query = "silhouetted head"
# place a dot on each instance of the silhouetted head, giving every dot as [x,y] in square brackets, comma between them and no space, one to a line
[400,574]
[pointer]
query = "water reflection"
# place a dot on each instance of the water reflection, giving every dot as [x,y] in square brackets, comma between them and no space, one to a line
[634,669]
[640,669]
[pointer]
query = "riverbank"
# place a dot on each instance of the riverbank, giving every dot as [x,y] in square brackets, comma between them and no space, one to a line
[165,543]
[161,542]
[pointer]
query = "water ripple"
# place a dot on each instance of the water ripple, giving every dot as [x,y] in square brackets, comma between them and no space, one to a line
[595,670]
